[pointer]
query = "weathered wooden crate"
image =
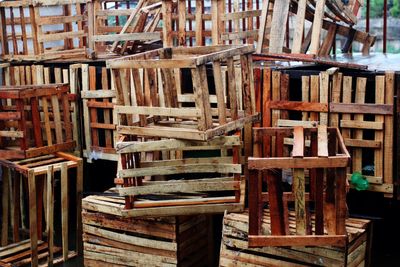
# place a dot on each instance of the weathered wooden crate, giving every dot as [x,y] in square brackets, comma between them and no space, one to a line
[363,109]
[152,89]
[333,98]
[167,241]
[168,177]
[235,251]
[273,35]
[36,178]
[35,120]
[129,22]
[325,158]
[98,106]
[27,25]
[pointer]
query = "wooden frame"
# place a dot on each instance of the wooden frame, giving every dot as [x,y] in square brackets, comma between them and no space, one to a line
[27,124]
[166,177]
[39,175]
[68,42]
[156,106]
[98,113]
[326,153]
[141,26]
[349,111]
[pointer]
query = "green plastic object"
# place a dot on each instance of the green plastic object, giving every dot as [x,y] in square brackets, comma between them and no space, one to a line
[359,181]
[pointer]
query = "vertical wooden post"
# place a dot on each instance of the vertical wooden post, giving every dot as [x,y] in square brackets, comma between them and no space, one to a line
[64,210]
[50,213]
[32,217]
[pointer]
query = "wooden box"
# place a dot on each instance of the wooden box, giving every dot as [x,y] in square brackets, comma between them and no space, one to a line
[172,96]
[131,22]
[360,104]
[321,153]
[35,120]
[110,240]
[235,250]
[174,177]
[42,30]
[30,195]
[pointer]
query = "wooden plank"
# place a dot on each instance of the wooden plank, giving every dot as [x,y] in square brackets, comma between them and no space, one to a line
[64,210]
[309,162]
[263,26]
[323,96]
[57,119]
[5,206]
[313,240]
[33,231]
[300,201]
[356,108]
[358,134]
[388,162]
[379,135]
[299,27]
[278,26]
[49,213]
[298,143]
[322,141]
[317,26]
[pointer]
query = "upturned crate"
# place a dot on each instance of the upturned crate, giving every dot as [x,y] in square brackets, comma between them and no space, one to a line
[167,92]
[235,250]
[320,152]
[111,240]
[35,120]
[168,177]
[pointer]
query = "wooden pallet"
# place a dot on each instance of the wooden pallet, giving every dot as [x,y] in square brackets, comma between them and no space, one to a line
[35,178]
[98,108]
[36,120]
[363,109]
[156,106]
[235,252]
[107,27]
[326,159]
[29,28]
[167,177]
[111,240]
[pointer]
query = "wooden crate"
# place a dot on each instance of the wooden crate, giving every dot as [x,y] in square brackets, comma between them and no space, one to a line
[168,177]
[324,99]
[363,108]
[325,158]
[156,105]
[35,178]
[36,120]
[130,22]
[110,240]
[235,252]
[26,26]
[98,106]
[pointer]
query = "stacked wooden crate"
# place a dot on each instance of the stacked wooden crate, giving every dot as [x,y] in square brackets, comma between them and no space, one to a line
[235,250]
[162,241]
[361,105]
[36,130]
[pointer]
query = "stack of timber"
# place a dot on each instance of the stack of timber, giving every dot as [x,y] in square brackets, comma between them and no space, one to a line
[235,250]
[109,35]
[25,33]
[285,153]
[111,240]
[360,104]
[35,120]
[42,241]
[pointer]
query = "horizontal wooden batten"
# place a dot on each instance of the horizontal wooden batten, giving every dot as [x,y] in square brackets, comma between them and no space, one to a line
[98,94]
[142,36]
[298,105]
[306,240]
[307,162]
[374,109]
[361,124]
[159,111]
[362,143]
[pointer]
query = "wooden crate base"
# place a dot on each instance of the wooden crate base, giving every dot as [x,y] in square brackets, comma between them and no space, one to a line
[235,251]
[110,240]
[19,254]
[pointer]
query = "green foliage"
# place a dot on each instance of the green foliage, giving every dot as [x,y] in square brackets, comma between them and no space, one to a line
[395,10]
[376,9]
